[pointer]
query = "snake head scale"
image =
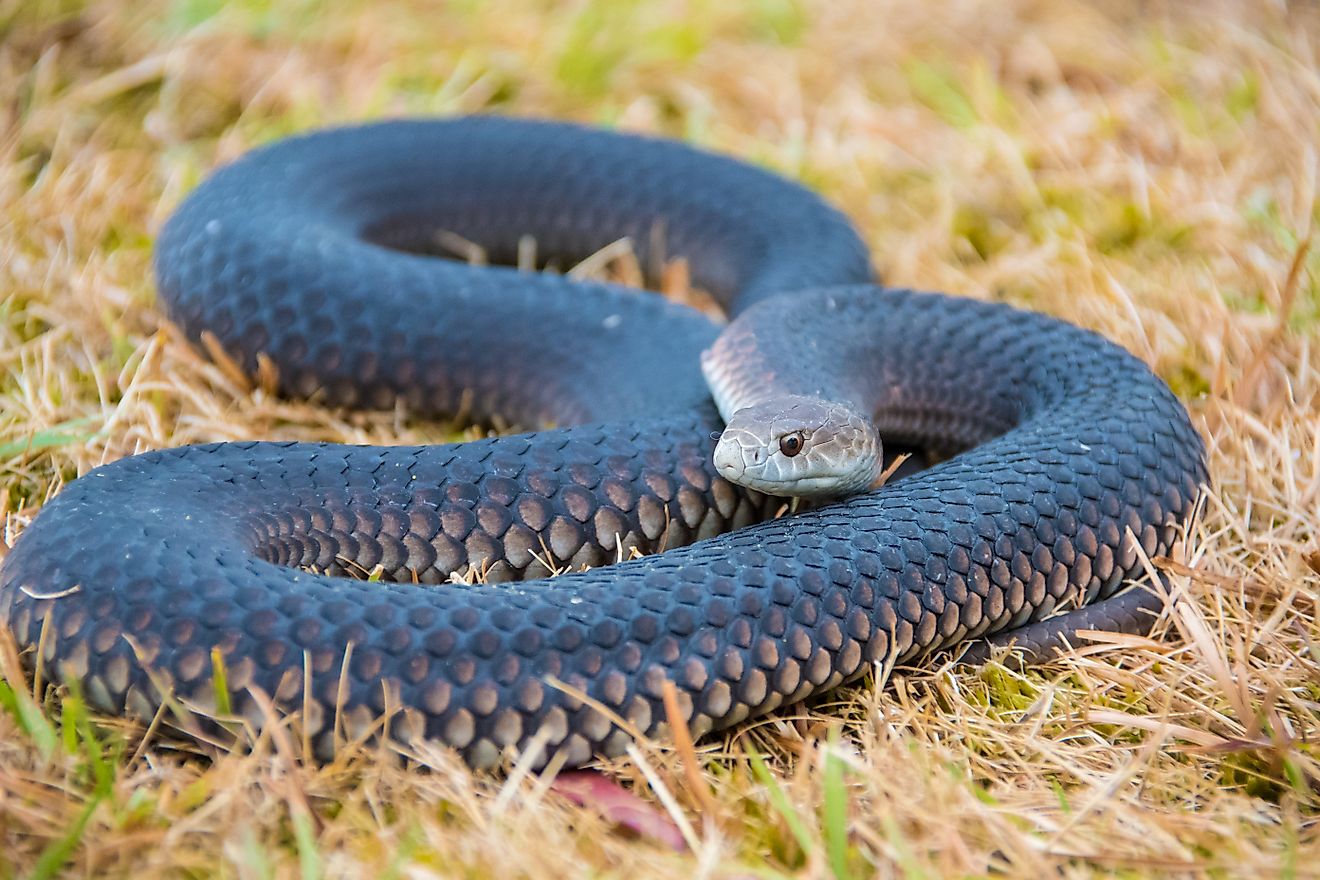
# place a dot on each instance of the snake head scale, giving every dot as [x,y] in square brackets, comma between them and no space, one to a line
[800,447]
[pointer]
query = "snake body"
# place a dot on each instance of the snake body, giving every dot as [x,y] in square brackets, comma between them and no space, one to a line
[318,253]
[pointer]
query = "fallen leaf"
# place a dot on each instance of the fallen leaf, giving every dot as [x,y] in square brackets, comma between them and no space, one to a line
[587,788]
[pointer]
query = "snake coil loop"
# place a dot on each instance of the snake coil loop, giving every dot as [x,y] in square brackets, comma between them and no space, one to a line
[318,252]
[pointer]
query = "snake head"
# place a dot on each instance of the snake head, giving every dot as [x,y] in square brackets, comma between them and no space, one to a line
[800,447]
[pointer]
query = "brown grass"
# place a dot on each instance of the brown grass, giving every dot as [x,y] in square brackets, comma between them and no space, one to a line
[1147,170]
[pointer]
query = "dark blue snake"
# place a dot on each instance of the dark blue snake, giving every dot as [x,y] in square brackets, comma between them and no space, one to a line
[1064,459]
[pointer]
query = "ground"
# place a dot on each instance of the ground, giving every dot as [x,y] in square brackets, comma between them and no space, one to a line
[1148,170]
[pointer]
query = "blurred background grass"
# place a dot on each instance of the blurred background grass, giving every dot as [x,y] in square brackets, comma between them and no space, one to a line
[1145,169]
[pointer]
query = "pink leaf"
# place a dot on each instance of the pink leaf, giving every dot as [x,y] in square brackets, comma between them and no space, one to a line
[587,788]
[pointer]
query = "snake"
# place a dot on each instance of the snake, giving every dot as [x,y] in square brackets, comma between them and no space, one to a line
[625,564]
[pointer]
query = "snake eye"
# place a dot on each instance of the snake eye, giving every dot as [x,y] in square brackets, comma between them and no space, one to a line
[790,444]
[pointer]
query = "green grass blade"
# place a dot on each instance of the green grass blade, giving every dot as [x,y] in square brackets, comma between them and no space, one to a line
[220,681]
[58,851]
[63,434]
[779,800]
[80,739]
[309,858]
[835,818]
[30,719]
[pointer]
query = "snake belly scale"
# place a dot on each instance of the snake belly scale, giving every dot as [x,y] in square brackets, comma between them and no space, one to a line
[318,252]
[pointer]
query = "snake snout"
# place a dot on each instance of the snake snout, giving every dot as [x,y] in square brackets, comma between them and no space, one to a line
[732,457]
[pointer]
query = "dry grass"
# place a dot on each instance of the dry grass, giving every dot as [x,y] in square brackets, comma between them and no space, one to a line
[1146,170]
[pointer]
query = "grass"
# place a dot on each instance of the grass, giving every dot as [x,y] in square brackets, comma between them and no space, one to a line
[1148,170]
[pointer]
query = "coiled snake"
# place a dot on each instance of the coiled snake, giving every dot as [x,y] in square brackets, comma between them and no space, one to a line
[319,253]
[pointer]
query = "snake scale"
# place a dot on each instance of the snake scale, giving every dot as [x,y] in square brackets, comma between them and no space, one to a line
[1064,457]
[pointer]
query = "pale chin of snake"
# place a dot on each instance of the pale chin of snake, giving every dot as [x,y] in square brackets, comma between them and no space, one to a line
[1066,461]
